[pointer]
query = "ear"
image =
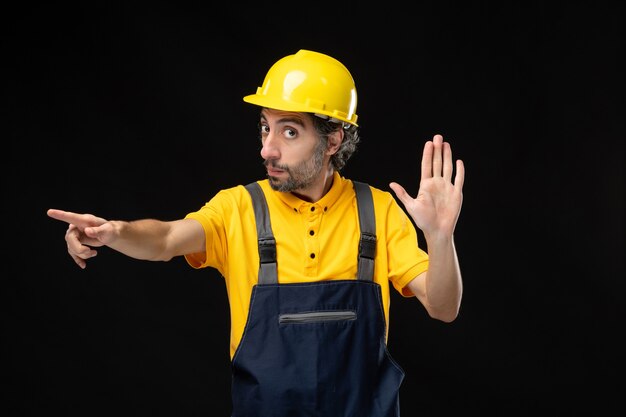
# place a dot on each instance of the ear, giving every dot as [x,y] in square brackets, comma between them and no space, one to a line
[334,141]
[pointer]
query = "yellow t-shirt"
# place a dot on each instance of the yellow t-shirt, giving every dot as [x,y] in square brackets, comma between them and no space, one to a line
[314,242]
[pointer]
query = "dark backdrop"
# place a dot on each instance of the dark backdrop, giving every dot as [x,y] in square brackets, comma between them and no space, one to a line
[129,112]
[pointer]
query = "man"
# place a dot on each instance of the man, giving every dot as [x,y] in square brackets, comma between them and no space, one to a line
[307,254]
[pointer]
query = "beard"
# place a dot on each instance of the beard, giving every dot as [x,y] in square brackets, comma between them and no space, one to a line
[300,176]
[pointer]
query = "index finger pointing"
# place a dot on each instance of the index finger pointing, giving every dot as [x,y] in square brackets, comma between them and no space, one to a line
[80,220]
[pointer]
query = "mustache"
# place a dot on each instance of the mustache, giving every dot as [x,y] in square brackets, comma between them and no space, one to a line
[273,164]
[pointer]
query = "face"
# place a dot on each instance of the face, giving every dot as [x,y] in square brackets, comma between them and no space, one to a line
[293,153]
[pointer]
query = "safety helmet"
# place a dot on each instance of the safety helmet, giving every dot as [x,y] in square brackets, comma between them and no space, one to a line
[309,82]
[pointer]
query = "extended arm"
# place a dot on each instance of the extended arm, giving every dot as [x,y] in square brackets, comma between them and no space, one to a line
[147,239]
[435,211]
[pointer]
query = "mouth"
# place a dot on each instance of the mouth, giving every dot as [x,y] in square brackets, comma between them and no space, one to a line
[274,171]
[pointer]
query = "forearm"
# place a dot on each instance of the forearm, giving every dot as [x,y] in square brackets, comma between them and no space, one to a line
[142,239]
[443,286]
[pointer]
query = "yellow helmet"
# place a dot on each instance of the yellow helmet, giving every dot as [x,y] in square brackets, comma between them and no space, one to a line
[309,82]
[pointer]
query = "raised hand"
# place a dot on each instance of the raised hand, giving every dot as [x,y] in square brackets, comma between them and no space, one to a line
[437,206]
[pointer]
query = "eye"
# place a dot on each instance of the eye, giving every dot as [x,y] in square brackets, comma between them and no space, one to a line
[290,133]
[264,130]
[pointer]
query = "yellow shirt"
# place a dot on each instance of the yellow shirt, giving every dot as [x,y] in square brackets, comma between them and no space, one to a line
[314,241]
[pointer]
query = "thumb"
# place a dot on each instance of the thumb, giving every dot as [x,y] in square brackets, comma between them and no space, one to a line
[96,236]
[99,233]
[91,232]
[401,193]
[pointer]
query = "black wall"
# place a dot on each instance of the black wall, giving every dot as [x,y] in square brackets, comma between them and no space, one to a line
[130,112]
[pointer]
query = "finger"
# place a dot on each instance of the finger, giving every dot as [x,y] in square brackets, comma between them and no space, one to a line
[97,235]
[81,263]
[437,151]
[75,246]
[80,220]
[60,214]
[427,160]
[447,162]
[401,193]
[459,178]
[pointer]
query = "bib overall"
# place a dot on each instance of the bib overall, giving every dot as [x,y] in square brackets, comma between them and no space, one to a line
[317,348]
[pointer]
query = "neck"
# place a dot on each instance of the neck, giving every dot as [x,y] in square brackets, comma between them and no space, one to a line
[318,189]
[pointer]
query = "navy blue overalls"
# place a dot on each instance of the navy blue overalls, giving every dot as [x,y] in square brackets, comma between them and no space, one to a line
[318,348]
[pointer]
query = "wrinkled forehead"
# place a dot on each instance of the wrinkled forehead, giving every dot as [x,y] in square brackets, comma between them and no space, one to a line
[272,115]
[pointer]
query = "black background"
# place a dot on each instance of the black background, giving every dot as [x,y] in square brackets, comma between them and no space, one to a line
[135,111]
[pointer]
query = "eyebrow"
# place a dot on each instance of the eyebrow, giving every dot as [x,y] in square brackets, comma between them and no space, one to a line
[295,120]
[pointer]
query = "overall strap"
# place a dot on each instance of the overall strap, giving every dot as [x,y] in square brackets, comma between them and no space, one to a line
[367,222]
[267,244]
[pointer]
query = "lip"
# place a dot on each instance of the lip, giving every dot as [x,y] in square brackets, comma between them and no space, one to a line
[272,172]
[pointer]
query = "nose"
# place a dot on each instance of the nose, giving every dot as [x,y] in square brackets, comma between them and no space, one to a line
[270,150]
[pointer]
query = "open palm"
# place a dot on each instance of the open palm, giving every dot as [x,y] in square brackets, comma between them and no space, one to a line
[437,206]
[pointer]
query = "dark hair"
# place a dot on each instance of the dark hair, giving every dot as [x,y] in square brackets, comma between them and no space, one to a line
[325,127]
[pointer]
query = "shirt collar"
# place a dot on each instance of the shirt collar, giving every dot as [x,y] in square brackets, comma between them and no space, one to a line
[325,203]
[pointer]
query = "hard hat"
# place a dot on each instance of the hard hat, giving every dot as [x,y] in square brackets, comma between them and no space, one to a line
[309,82]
